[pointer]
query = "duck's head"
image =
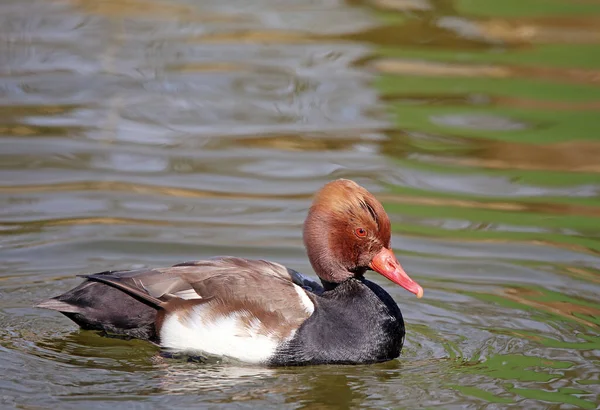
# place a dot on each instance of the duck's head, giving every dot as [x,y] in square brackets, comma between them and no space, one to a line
[347,232]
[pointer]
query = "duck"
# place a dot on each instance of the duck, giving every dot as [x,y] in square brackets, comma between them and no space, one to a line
[261,312]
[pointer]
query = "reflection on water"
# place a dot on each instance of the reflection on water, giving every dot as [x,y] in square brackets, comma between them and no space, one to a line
[139,133]
[181,378]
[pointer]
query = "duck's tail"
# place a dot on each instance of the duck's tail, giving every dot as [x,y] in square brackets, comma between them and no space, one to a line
[98,306]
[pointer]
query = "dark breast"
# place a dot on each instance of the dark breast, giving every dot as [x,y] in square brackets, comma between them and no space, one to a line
[357,322]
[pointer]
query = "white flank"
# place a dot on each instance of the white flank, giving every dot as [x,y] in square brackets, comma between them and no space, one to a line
[307,304]
[226,336]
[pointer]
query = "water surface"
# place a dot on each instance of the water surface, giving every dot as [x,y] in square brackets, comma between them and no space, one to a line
[144,133]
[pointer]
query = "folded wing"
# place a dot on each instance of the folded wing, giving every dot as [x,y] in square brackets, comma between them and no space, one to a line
[236,299]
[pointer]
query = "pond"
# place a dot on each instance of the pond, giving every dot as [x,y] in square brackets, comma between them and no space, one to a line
[144,133]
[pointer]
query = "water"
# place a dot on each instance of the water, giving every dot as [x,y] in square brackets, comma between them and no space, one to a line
[145,133]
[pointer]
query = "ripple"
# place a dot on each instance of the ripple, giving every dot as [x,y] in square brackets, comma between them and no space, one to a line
[145,136]
[478,122]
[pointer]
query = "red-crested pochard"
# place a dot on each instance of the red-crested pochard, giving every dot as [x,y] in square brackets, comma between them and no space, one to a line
[262,312]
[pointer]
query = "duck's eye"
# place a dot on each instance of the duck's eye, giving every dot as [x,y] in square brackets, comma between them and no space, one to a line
[360,232]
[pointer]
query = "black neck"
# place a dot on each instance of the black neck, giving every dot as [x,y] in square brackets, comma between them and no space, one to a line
[329,285]
[332,285]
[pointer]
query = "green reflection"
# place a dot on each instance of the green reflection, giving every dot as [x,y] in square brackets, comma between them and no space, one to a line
[515,8]
[510,86]
[503,123]
[523,200]
[92,350]
[519,218]
[522,368]
[560,396]
[549,306]
[518,367]
[590,343]
[450,346]
[480,394]
[523,176]
[547,55]
[408,228]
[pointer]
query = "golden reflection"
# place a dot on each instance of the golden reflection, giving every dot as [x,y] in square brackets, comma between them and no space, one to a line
[586,275]
[403,5]
[412,32]
[258,37]
[564,308]
[546,104]
[438,69]
[460,203]
[536,207]
[217,67]
[446,69]
[20,110]
[151,8]
[555,30]
[554,244]
[117,186]
[36,130]
[294,142]
[571,156]
[21,130]
[565,75]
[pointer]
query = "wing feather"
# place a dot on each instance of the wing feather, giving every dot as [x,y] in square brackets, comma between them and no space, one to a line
[266,290]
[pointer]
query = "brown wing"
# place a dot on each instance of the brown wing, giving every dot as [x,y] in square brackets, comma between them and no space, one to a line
[265,267]
[261,290]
